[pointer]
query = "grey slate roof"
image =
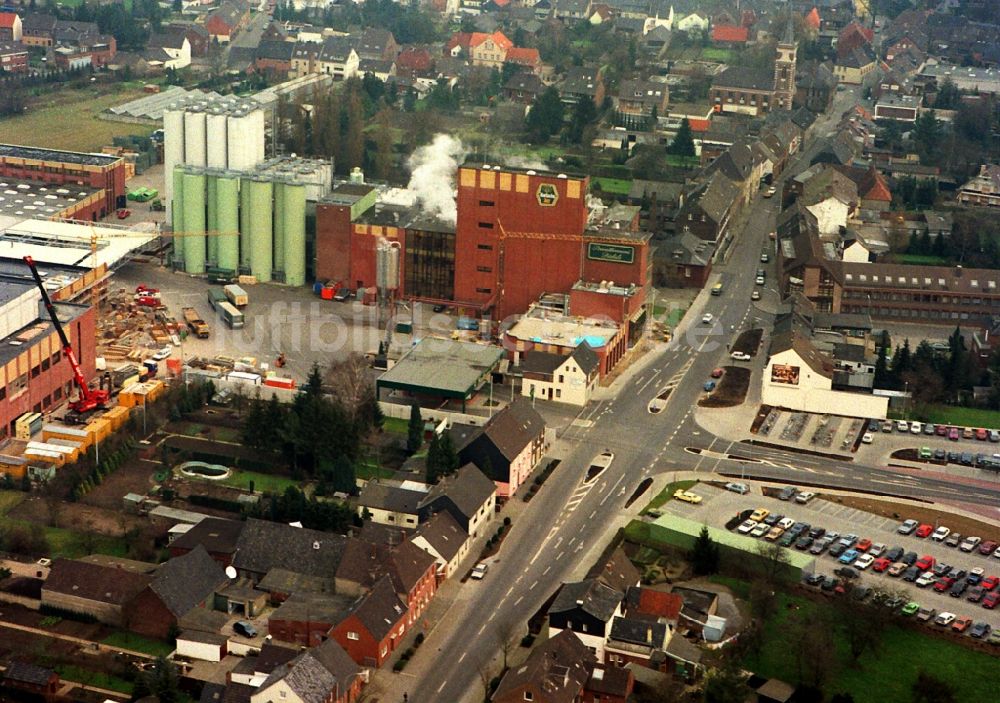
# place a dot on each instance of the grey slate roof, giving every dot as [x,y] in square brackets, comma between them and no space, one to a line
[745,77]
[264,545]
[318,674]
[542,362]
[22,672]
[444,534]
[598,600]
[336,48]
[385,497]
[380,609]
[216,534]
[586,358]
[558,669]
[468,488]
[275,50]
[313,607]
[718,196]
[643,632]
[185,581]
[580,80]
[514,427]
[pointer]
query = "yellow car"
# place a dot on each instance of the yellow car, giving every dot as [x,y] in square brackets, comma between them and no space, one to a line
[687,497]
[759,514]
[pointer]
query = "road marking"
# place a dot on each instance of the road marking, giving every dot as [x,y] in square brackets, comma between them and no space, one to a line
[593,514]
[547,569]
[529,588]
[444,682]
[462,658]
[520,598]
[559,556]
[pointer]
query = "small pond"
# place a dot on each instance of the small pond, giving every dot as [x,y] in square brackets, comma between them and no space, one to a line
[199,469]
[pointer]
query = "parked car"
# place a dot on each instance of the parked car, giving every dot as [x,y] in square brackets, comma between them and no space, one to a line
[863,545]
[910,608]
[746,527]
[961,624]
[880,565]
[820,546]
[941,430]
[774,533]
[929,429]
[982,435]
[990,600]
[836,550]
[907,527]
[897,569]
[479,571]
[804,543]
[864,561]
[975,576]
[849,557]
[902,426]
[688,497]
[990,582]
[923,530]
[944,584]
[709,386]
[940,455]
[894,553]
[759,514]
[787,493]
[245,628]
[976,594]
[953,540]
[979,630]
[867,438]
[944,619]
[772,520]
[759,531]
[911,574]
[925,614]
[970,543]
[740,356]
[804,497]
[988,547]
[707,318]
[910,558]
[786,523]
[916,428]
[924,563]
[877,549]
[958,588]
[925,579]
[953,434]
[925,453]
[737,487]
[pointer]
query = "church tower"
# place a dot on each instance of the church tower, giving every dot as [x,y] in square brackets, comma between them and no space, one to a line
[784,71]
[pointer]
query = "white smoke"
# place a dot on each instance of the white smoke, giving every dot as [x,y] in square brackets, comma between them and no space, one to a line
[432,176]
[523,162]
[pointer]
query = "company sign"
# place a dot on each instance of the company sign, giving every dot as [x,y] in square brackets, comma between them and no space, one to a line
[547,195]
[616,253]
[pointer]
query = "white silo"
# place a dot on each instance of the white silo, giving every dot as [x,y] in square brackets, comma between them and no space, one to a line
[240,139]
[173,150]
[218,144]
[195,146]
[257,134]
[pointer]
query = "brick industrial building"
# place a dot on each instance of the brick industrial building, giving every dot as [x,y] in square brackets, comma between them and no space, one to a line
[518,234]
[68,168]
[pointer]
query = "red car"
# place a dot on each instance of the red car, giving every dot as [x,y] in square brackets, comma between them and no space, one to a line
[925,563]
[987,548]
[944,583]
[717,373]
[864,545]
[123,213]
[982,435]
[880,565]
[962,624]
[989,583]
[941,430]
[924,530]
[991,599]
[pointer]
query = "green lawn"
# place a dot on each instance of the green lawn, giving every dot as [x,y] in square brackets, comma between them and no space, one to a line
[920,259]
[138,643]
[72,545]
[963,417]
[616,186]
[71,672]
[396,425]
[681,161]
[368,469]
[902,654]
[710,53]
[10,500]
[271,483]
[45,123]
[667,493]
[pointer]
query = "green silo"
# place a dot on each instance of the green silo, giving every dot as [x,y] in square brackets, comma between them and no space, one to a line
[228,209]
[177,213]
[295,234]
[261,230]
[212,220]
[279,226]
[246,215]
[194,223]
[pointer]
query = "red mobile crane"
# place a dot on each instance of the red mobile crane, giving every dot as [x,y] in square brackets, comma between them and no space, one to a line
[90,399]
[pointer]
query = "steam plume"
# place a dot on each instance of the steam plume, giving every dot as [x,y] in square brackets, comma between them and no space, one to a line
[432,176]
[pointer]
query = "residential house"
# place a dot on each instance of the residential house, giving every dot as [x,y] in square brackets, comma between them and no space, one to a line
[337,58]
[11,27]
[13,57]
[390,504]
[527,58]
[226,22]
[217,535]
[304,58]
[445,540]
[304,619]
[170,48]
[35,680]
[507,448]
[583,82]
[586,608]
[694,23]
[857,67]
[38,29]
[854,36]
[101,592]
[708,210]
[637,641]
[983,189]
[178,586]
[615,570]
[564,379]
[523,88]
[468,495]
[379,68]
[656,40]
[574,10]
[831,197]
[197,36]
[873,190]
[480,48]
[322,674]
[659,201]
[414,62]
[731,36]
[414,576]
[903,108]
[643,99]
[739,164]
[376,44]
[556,671]
[815,87]
[264,545]
[274,58]
[375,625]
[682,261]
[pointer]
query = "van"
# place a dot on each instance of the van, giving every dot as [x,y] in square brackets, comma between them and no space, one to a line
[717,289]
[740,488]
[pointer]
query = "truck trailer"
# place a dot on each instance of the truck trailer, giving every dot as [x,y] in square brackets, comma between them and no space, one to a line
[194,322]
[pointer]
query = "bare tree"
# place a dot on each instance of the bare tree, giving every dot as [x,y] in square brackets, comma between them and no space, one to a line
[507,637]
[53,504]
[863,622]
[772,564]
[485,678]
[811,639]
[348,381]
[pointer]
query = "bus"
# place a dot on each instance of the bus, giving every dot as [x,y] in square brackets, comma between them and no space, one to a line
[717,289]
[216,296]
[230,315]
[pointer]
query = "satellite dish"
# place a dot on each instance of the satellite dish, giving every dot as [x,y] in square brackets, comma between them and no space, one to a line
[230,572]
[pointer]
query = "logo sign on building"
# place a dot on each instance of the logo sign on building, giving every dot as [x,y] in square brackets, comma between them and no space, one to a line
[547,195]
[616,253]
[784,373]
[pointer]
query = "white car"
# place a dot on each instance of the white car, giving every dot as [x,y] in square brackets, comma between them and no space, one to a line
[877,549]
[978,571]
[746,527]
[162,354]
[902,426]
[916,428]
[707,318]
[970,543]
[864,561]
[759,280]
[944,619]
[926,579]
[762,529]
[867,438]
[804,497]
[479,571]
[740,356]
[764,258]
[786,523]
[941,534]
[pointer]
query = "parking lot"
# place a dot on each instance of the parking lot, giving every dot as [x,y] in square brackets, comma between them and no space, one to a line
[719,506]
[832,434]
[884,444]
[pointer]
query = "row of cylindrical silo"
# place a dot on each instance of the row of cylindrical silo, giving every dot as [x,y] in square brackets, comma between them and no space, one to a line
[232,223]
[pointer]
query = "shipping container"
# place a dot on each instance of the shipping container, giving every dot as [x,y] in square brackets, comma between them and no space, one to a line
[236,295]
[230,315]
[216,296]
[280,382]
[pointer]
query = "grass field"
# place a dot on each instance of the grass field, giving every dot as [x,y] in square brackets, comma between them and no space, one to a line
[963,417]
[270,483]
[73,545]
[902,654]
[74,673]
[615,186]
[396,425]
[68,120]
[138,643]
[10,500]
[667,493]
[710,53]
[920,260]
[367,469]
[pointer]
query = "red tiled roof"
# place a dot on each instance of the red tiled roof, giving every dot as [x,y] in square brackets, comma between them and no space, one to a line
[812,19]
[498,37]
[7,19]
[414,59]
[874,187]
[657,603]
[730,33]
[855,28]
[523,55]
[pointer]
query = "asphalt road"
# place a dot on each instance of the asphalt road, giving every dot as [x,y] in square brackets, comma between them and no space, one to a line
[569,517]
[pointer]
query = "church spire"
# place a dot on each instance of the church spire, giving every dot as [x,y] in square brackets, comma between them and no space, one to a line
[789,38]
